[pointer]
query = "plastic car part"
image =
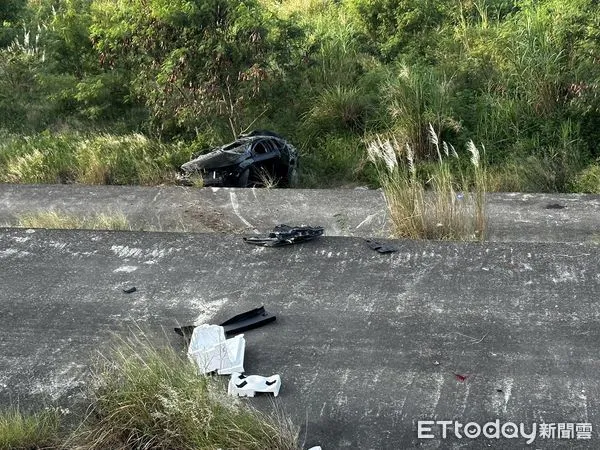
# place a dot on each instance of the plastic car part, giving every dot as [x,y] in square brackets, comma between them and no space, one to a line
[380,247]
[286,235]
[212,352]
[248,320]
[248,385]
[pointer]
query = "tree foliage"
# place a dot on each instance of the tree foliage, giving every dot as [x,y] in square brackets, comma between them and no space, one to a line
[191,61]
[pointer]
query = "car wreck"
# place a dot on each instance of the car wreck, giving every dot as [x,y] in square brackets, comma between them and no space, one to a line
[257,159]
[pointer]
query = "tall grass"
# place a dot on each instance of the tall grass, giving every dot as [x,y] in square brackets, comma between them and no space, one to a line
[446,206]
[147,396]
[28,431]
[418,97]
[90,159]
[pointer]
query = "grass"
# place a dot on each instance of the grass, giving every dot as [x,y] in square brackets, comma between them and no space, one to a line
[446,206]
[91,159]
[56,220]
[149,396]
[28,431]
[146,395]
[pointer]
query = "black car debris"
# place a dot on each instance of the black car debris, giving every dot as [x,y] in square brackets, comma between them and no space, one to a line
[257,159]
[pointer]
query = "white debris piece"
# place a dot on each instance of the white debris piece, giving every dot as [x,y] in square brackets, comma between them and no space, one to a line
[211,351]
[249,385]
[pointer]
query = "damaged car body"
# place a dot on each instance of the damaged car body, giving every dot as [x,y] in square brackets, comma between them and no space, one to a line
[260,158]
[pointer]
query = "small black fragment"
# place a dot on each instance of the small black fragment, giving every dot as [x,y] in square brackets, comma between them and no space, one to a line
[242,384]
[185,332]
[270,383]
[248,320]
[555,206]
[130,290]
[380,246]
[499,391]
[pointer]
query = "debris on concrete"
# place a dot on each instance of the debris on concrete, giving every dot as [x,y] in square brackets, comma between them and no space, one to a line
[555,206]
[380,246]
[257,159]
[286,235]
[248,320]
[248,385]
[212,352]
[130,290]
[245,321]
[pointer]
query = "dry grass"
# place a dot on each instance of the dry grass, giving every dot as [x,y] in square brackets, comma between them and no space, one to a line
[56,220]
[266,179]
[446,207]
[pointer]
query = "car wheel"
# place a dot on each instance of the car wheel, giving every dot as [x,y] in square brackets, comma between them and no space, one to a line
[243,178]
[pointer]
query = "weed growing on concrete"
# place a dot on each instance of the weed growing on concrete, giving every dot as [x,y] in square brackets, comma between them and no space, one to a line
[449,205]
[28,431]
[148,396]
[56,220]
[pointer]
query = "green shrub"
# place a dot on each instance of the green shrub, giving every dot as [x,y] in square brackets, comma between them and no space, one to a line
[338,109]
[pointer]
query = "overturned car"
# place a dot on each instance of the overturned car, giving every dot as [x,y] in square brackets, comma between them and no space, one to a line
[260,158]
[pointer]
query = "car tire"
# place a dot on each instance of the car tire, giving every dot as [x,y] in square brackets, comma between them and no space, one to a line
[244,178]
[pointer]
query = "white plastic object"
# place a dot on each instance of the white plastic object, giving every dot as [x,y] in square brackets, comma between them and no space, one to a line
[249,385]
[318,447]
[211,351]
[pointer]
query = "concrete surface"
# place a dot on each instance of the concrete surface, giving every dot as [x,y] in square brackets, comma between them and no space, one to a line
[170,208]
[366,344]
[343,212]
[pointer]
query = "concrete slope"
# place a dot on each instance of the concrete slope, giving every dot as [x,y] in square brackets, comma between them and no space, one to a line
[168,208]
[366,344]
[343,212]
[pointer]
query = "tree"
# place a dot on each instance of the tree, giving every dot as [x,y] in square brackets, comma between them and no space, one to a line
[195,60]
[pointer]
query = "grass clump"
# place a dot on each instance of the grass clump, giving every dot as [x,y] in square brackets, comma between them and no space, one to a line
[90,159]
[56,220]
[28,431]
[445,206]
[151,397]
[588,180]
